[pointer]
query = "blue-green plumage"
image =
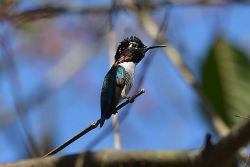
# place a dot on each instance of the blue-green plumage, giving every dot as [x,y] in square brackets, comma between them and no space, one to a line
[119,79]
[113,84]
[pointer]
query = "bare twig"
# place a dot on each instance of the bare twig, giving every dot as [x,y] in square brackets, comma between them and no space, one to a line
[92,126]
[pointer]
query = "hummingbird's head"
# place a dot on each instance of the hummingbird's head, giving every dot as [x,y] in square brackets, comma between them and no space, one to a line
[133,49]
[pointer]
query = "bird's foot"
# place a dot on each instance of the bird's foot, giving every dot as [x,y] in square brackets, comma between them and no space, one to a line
[130,99]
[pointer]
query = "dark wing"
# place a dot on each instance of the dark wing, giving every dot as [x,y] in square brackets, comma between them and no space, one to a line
[113,84]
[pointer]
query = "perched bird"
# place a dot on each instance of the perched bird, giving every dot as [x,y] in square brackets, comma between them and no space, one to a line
[119,79]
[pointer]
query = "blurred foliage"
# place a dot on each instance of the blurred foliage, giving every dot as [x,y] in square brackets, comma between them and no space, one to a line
[225,80]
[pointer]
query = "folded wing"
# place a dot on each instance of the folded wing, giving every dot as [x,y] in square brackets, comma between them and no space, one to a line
[113,85]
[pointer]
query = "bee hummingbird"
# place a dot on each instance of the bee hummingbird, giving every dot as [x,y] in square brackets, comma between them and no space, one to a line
[119,79]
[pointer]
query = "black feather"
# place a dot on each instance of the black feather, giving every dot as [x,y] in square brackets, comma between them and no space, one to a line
[125,43]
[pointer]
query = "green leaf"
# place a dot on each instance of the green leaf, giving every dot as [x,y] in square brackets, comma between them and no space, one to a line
[226,81]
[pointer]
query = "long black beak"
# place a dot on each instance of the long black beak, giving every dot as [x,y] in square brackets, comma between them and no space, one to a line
[152,47]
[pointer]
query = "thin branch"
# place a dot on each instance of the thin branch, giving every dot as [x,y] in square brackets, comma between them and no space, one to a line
[92,126]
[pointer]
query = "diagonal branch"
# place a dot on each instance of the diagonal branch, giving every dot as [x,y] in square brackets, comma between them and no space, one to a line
[92,126]
[150,27]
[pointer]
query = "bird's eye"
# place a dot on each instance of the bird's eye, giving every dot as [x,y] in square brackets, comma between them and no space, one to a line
[133,45]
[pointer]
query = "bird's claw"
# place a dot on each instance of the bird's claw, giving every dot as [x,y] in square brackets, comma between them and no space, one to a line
[130,99]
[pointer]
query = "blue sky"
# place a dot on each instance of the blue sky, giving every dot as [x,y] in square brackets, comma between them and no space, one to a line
[166,117]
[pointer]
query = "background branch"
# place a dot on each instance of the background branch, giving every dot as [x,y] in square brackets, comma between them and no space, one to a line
[112,49]
[151,29]
[220,154]
[52,11]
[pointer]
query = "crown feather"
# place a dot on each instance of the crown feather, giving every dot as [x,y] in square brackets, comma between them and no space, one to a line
[125,43]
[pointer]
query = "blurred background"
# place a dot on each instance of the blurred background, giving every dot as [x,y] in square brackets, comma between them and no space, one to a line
[55,54]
